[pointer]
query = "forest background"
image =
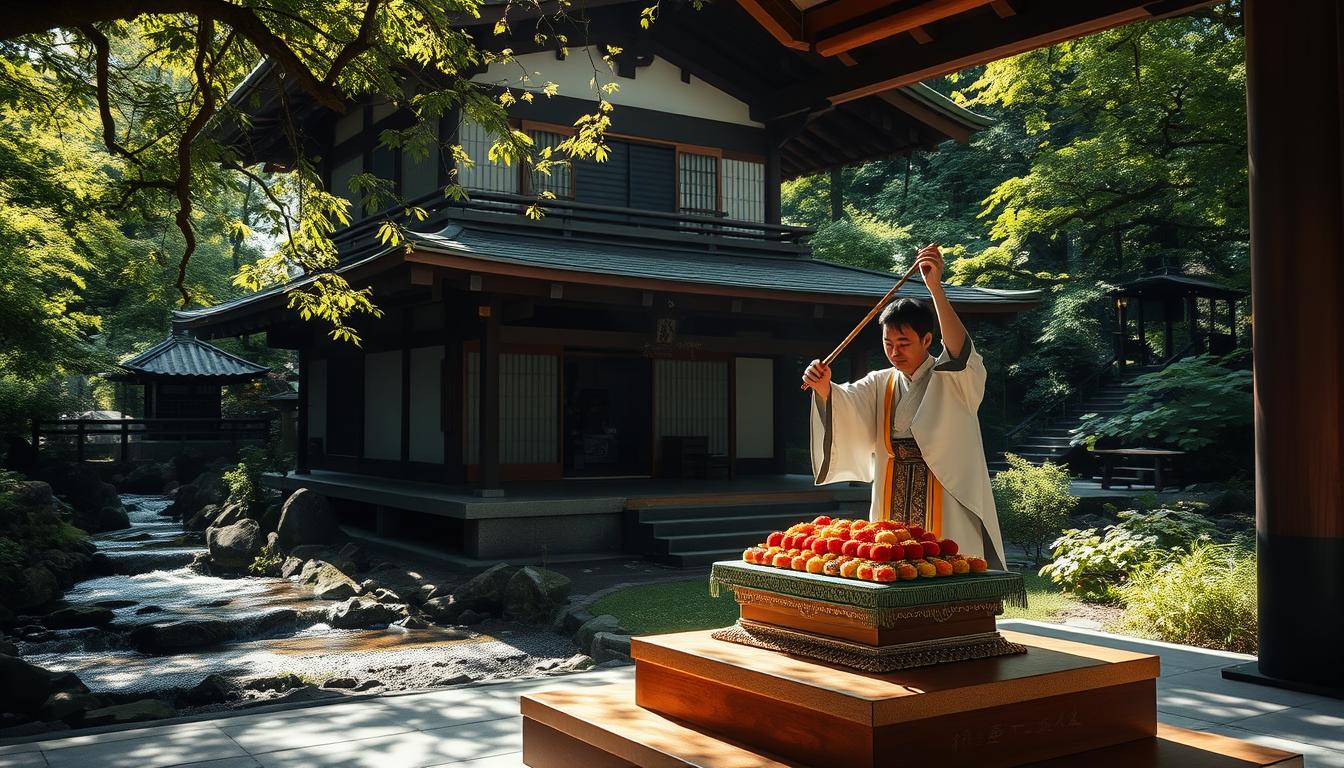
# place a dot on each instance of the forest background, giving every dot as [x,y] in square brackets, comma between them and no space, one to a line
[1109,157]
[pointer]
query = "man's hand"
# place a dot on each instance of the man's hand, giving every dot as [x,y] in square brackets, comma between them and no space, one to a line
[930,261]
[818,378]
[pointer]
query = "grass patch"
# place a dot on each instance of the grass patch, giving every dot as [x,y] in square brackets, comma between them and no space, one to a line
[681,606]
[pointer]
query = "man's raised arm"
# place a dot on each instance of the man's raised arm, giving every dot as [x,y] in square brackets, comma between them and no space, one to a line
[930,261]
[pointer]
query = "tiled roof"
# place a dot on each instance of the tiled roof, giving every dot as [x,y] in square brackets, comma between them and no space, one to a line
[792,274]
[182,356]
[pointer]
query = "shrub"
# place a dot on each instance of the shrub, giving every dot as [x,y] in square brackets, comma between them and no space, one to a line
[267,562]
[1033,502]
[1094,564]
[1204,597]
[244,479]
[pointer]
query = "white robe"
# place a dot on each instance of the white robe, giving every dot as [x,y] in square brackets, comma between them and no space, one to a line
[851,435]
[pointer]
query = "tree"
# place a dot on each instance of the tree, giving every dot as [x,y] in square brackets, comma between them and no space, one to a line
[159,72]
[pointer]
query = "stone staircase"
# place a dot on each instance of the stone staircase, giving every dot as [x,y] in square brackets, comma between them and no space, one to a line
[1048,439]
[697,535]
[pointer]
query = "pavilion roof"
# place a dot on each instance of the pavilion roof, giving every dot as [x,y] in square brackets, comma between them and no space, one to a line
[182,357]
[1177,285]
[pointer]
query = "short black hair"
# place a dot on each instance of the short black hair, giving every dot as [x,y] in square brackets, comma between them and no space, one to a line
[911,312]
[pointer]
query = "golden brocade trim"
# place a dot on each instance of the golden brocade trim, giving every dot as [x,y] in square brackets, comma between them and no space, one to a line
[865,658]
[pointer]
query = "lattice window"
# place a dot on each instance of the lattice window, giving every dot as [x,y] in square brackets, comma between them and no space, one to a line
[483,175]
[699,183]
[744,190]
[559,181]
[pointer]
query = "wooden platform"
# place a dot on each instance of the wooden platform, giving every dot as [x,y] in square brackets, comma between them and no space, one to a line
[603,728]
[703,702]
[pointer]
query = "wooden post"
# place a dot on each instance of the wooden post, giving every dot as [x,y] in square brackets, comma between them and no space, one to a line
[1168,341]
[773,181]
[406,327]
[1142,356]
[1297,195]
[1122,347]
[305,387]
[125,441]
[488,412]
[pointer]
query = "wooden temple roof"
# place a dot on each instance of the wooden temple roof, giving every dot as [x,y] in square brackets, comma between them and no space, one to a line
[184,358]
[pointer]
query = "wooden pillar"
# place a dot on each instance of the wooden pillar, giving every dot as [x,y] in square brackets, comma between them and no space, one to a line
[837,193]
[405,452]
[1297,207]
[774,179]
[305,386]
[1142,357]
[1232,321]
[488,429]
[1122,335]
[1168,340]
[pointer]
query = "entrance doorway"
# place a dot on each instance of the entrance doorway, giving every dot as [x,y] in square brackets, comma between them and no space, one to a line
[608,422]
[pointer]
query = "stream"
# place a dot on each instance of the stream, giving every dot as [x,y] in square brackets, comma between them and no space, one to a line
[153,585]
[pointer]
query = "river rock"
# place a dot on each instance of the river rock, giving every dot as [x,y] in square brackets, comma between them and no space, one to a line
[147,477]
[409,623]
[178,636]
[148,609]
[331,584]
[68,705]
[186,502]
[214,689]
[306,518]
[32,493]
[109,518]
[284,681]
[8,648]
[28,686]
[234,547]
[484,592]
[67,567]
[291,567]
[210,487]
[470,618]
[361,612]
[77,616]
[339,683]
[299,695]
[442,609]
[203,518]
[144,709]
[230,514]
[37,586]
[604,623]
[534,594]
[461,679]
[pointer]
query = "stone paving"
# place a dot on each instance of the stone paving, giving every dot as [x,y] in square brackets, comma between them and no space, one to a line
[479,727]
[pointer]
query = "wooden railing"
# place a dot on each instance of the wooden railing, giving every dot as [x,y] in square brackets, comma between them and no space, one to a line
[106,437]
[1060,404]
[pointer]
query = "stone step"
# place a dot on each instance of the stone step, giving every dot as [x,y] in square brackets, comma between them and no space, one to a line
[801,509]
[698,559]
[702,542]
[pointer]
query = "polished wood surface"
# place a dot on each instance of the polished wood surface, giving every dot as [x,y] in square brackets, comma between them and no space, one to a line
[606,721]
[858,625]
[1050,667]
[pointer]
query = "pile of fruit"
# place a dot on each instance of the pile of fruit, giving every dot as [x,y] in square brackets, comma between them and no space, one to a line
[857,549]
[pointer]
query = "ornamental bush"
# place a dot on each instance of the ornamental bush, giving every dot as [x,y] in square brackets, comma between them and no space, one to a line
[1204,597]
[1095,564]
[1033,503]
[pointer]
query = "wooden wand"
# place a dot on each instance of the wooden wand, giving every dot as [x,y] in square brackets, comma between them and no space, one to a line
[882,302]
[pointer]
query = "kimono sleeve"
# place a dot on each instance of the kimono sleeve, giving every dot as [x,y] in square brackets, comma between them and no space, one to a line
[966,372]
[844,430]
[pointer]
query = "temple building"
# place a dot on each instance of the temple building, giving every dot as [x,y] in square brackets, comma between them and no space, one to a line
[537,385]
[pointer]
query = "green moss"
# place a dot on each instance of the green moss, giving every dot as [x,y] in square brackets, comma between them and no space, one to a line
[680,606]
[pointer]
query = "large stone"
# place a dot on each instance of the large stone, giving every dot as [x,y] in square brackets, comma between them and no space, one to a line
[186,502]
[234,547]
[331,584]
[67,567]
[68,705]
[535,594]
[604,623]
[37,587]
[77,616]
[214,689]
[306,518]
[203,518]
[361,612]
[230,514]
[147,477]
[442,609]
[27,686]
[144,709]
[112,517]
[484,592]
[210,487]
[32,493]
[608,646]
[178,636]
[291,567]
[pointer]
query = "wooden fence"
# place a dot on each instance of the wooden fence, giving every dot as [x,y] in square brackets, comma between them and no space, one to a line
[109,438]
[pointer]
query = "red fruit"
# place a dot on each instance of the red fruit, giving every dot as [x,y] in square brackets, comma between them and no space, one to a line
[913,550]
[907,571]
[836,546]
[865,572]
[858,525]
[882,552]
[915,531]
[822,520]
[851,548]
[866,534]
[930,548]
[844,534]
[749,555]
[941,567]
[884,525]
[884,573]
[978,565]
[787,541]
[810,542]
[866,550]
[775,539]
[948,547]
[782,560]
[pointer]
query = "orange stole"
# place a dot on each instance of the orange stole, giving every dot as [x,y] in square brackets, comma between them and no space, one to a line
[934,501]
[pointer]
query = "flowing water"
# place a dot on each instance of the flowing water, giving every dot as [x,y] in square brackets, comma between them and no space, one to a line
[154,585]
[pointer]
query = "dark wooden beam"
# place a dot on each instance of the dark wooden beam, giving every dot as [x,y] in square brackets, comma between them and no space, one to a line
[919,34]
[780,18]
[959,46]
[1003,8]
[926,115]
[488,407]
[895,24]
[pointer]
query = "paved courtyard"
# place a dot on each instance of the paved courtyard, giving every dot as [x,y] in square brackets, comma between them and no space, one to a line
[479,726]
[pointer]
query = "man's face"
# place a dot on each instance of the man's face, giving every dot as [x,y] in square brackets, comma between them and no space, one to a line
[904,348]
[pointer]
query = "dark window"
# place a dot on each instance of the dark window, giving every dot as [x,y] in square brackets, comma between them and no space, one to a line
[345,405]
[633,176]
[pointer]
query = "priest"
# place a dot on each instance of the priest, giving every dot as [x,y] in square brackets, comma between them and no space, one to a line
[911,430]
